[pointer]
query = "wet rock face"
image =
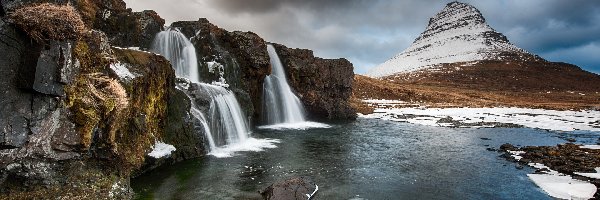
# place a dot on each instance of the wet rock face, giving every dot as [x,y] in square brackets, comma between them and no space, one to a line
[241,56]
[150,23]
[293,188]
[14,108]
[55,68]
[37,136]
[35,77]
[323,85]
[123,27]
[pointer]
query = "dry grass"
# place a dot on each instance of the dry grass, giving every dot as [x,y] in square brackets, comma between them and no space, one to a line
[114,98]
[49,21]
[448,95]
[97,98]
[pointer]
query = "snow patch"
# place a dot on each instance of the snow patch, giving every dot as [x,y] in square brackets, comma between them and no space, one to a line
[516,154]
[533,118]
[563,186]
[161,149]
[121,70]
[385,103]
[590,175]
[590,147]
[134,49]
[215,67]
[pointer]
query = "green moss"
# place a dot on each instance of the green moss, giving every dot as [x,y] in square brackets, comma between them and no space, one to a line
[82,53]
[148,101]
[82,103]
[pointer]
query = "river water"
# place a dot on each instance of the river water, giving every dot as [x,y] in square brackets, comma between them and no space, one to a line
[364,159]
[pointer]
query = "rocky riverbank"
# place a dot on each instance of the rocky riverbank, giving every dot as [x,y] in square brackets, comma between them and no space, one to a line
[580,162]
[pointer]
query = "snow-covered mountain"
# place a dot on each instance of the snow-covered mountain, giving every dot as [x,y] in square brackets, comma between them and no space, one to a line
[458,33]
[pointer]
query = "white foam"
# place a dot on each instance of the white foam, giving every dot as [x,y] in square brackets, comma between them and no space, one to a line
[295,126]
[161,149]
[250,144]
[533,118]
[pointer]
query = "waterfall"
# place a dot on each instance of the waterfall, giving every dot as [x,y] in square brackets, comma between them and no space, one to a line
[280,104]
[226,124]
[178,49]
[227,120]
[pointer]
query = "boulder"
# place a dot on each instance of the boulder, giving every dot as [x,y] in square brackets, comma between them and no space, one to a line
[299,188]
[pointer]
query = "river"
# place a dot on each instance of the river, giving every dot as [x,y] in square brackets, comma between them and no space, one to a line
[365,159]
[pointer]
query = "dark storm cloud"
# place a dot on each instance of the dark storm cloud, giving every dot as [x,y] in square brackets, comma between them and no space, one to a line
[261,6]
[368,32]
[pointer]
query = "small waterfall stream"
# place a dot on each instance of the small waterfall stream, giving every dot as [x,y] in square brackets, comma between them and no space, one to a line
[226,123]
[280,104]
[174,46]
[282,109]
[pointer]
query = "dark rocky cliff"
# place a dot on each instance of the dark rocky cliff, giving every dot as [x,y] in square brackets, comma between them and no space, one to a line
[73,124]
[323,85]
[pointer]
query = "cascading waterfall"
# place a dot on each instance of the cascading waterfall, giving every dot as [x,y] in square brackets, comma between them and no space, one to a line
[226,116]
[226,123]
[280,104]
[174,46]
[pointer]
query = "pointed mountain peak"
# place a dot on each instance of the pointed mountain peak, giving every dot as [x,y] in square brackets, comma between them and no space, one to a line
[454,15]
[458,33]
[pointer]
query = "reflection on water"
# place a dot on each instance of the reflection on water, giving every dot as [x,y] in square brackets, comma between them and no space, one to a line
[369,159]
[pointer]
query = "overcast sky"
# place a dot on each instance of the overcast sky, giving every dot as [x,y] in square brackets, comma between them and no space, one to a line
[368,32]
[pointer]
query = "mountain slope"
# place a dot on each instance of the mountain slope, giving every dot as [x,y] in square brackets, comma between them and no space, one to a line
[458,33]
[461,61]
